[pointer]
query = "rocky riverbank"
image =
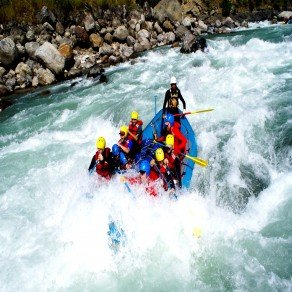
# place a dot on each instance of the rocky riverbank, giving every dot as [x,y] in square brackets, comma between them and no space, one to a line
[51,51]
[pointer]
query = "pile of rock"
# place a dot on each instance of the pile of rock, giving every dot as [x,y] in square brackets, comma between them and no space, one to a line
[42,54]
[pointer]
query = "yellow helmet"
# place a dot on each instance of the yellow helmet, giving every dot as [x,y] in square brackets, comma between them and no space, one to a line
[159,154]
[169,140]
[124,130]
[100,143]
[134,116]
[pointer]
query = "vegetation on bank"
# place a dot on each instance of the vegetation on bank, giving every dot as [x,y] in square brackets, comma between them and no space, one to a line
[25,10]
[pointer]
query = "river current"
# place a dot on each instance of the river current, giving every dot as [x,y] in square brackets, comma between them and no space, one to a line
[54,216]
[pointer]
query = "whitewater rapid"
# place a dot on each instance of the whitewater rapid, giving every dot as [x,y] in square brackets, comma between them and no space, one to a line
[54,217]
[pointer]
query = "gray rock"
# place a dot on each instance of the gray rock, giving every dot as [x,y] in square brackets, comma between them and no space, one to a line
[145,44]
[188,42]
[132,23]
[10,83]
[23,74]
[106,49]
[285,15]
[20,49]
[48,27]
[160,38]
[187,21]
[60,28]
[228,22]
[244,24]
[108,38]
[202,26]
[35,81]
[138,48]
[169,37]
[31,48]
[8,51]
[89,22]
[137,27]
[30,35]
[218,23]
[157,28]
[50,57]
[121,33]
[143,34]
[130,41]
[125,51]
[2,71]
[45,76]
[181,31]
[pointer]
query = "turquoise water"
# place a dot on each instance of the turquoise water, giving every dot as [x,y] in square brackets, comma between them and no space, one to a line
[54,217]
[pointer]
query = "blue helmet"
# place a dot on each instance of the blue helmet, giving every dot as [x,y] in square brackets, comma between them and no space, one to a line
[115,150]
[169,118]
[145,166]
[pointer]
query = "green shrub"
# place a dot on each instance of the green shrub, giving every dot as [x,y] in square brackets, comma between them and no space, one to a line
[226,7]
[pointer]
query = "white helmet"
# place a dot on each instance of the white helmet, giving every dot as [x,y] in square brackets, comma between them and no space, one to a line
[172,80]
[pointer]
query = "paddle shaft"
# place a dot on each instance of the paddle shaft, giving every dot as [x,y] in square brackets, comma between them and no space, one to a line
[196,112]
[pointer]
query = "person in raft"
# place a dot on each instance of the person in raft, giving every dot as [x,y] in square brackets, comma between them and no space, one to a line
[171,100]
[135,132]
[101,159]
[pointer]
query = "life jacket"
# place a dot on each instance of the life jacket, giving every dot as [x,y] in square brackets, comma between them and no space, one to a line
[133,128]
[171,159]
[103,167]
[173,101]
[126,143]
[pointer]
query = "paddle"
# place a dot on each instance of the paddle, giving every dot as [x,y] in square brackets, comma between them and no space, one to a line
[196,160]
[196,112]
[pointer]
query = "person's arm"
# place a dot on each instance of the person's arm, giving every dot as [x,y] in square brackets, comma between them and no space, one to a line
[182,99]
[181,138]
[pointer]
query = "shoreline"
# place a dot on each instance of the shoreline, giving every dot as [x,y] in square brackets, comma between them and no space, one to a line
[34,57]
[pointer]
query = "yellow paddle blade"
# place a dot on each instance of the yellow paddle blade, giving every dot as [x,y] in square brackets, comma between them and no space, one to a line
[198,161]
[202,111]
[197,232]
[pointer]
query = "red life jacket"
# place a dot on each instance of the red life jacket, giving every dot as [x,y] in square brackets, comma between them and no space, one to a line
[171,158]
[103,167]
[133,128]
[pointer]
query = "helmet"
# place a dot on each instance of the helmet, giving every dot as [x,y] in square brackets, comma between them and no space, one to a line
[169,140]
[100,143]
[172,80]
[134,116]
[159,154]
[170,119]
[145,166]
[124,129]
[115,150]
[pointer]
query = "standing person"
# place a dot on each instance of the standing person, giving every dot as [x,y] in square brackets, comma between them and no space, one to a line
[101,159]
[135,132]
[171,99]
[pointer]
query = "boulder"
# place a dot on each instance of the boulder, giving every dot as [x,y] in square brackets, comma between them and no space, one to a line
[171,9]
[23,74]
[89,22]
[121,33]
[130,41]
[168,26]
[202,26]
[81,36]
[2,71]
[188,41]
[48,27]
[132,23]
[30,35]
[60,28]
[228,22]
[196,7]
[285,15]
[17,34]
[145,44]
[106,49]
[169,37]
[181,31]
[66,51]
[96,40]
[8,51]
[45,76]
[157,28]
[31,48]
[125,51]
[50,57]
[143,34]
[108,38]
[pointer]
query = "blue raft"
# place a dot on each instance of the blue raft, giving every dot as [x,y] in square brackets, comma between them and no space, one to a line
[156,126]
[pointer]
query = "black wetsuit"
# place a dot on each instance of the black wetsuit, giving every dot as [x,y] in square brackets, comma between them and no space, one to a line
[172,97]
